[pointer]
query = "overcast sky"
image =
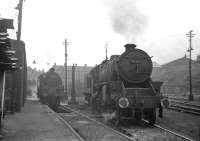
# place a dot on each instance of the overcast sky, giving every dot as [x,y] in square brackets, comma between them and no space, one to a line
[156,26]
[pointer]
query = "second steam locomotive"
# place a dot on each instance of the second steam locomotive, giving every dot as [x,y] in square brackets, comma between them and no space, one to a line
[123,85]
[50,89]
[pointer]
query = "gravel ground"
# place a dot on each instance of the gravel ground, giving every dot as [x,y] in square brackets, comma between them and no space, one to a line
[143,132]
[186,124]
[89,130]
[183,123]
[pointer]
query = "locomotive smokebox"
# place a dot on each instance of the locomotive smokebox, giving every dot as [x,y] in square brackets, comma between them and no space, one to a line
[134,66]
[129,47]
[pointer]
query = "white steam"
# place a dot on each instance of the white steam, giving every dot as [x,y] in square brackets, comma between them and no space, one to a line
[109,116]
[126,19]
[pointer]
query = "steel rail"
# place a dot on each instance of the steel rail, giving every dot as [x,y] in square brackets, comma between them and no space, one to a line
[172,132]
[184,108]
[68,125]
[186,103]
[105,126]
[123,135]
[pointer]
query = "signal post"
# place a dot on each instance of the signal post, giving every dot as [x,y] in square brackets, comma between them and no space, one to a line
[73,89]
[190,35]
[65,86]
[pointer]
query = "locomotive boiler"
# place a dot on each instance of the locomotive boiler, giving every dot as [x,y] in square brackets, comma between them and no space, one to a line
[133,66]
[123,85]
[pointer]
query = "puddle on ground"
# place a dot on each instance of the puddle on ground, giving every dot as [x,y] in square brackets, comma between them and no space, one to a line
[68,114]
[109,137]
[83,122]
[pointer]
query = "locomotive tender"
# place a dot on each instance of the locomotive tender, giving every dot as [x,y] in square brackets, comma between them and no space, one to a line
[123,85]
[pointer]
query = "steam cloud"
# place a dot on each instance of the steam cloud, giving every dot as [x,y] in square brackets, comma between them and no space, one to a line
[126,19]
[108,116]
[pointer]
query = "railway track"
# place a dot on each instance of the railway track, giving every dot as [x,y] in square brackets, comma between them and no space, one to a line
[130,134]
[172,132]
[121,136]
[77,136]
[184,106]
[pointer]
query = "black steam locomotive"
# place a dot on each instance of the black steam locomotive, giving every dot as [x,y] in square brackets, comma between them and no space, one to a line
[123,85]
[50,89]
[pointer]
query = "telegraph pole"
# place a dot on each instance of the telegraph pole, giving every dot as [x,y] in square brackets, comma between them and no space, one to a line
[19,7]
[106,51]
[190,35]
[65,88]
[73,90]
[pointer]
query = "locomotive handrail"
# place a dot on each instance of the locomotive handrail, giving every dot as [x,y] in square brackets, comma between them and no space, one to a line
[133,58]
[152,87]
[137,88]
[124,92]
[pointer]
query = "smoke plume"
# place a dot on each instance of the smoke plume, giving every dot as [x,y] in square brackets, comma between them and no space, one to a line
[126,19]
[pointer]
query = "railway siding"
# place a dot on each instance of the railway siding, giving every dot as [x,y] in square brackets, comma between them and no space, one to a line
[90,130]
[181,122]
[139,132]
[184,106]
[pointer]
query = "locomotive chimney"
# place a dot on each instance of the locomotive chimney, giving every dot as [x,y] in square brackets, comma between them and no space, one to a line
[129,47]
